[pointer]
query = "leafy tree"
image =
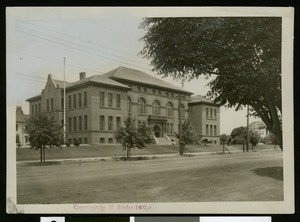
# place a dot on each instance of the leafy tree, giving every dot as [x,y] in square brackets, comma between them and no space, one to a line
[223,139]
[269,139]
[239,135]
[187,136]
[131,136]
[43,130]
[254,138]
[244,54]
[18,141]
[76,143]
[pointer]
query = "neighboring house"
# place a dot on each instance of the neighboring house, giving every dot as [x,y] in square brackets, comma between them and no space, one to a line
[96,106]
[259,127]
[205,118]
[21,119]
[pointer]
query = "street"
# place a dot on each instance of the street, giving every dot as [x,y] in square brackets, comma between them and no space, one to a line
[253,176]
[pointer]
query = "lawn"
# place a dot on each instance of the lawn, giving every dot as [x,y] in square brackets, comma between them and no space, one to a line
[25,154]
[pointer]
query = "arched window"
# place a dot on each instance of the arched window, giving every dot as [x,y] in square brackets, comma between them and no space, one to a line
[129,104]
[169,109]
[156,108]
[141,106]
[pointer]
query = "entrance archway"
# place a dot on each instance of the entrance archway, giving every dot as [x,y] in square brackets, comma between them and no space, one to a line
[157,131]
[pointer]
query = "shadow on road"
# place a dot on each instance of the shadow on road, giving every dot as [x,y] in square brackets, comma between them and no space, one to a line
[273,172]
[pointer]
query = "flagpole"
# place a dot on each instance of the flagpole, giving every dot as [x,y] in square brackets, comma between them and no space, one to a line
[65,133]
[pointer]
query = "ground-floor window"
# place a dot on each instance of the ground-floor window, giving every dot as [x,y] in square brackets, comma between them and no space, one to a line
[80,140]
[102,140]
[70,140]
[215,141]
[110,140]
[85,141]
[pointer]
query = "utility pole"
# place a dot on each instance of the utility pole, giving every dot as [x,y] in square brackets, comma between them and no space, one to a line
[179,125]
[64,121]
[247,145]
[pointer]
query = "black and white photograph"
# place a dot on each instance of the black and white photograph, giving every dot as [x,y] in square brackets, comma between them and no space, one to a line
[140,110]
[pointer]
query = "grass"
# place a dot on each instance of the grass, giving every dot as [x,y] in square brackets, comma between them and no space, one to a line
[26,154]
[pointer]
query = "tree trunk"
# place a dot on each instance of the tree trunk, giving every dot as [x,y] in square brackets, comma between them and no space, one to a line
[252,148]
[223,148]
[44,154]
[41,153]
[181,148]
[128,153]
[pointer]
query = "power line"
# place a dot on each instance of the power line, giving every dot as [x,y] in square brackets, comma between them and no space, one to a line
[78,49]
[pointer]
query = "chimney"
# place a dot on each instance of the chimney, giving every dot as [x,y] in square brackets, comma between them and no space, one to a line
[82,75]
[19,109]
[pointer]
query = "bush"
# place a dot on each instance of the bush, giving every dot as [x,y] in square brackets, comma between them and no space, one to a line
[76,143]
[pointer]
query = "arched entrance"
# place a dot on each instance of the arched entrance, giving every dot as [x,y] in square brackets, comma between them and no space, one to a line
[157,131]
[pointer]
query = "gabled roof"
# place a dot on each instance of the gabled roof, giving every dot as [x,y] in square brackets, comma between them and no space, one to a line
[60,83]
[98,79]
[132,75]
[198,99]
[36,97]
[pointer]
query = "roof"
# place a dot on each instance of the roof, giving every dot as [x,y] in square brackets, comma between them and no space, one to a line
[198,99]
[60,83]
[20,116]
[99,80]
[132,75]
[36,97]
[257,124]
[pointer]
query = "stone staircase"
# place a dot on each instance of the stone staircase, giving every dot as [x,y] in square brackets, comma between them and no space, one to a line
[163,141]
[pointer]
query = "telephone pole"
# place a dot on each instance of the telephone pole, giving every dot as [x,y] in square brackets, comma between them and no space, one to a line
[247,145]
[64,101]
[179,125]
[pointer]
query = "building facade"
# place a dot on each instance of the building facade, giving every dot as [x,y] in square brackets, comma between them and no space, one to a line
[205,118]
[96,106]
[21,125]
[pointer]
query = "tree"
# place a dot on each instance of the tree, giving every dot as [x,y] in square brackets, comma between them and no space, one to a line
[254,139]
[205,141]
[76,143]
[43,130]
[243,54]
[223,139]
[239,135]
[269,139]
[187,135]
[18,141]
[131,136]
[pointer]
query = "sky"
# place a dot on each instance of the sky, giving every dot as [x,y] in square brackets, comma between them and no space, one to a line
[92,40]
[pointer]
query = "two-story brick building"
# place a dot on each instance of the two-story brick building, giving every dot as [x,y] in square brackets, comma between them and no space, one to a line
[96,106]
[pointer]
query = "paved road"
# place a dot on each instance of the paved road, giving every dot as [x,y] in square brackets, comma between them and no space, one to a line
[235,177]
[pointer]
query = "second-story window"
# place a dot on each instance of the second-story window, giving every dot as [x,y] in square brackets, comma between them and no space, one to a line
[141,106]
[118,100]
[74,101]
[51,104]
[110,99]
[129,104]
[169,109]
[69,102]
[101,95]
[79,100]
[156,108]
[85,99]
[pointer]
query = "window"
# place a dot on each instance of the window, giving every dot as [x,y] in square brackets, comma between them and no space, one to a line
[70,102]
[215,141]
[168,128]
[129,104]
[169,109]
[85,98]
[171,127]
[215,113]
[74,123]
[80,140]
[154,92]
[70,140]
[207,113]
[80,123]
[17,127]
[47,105]
[211,113]
[70,124]
[141,106]
[110,140]
[51,104]
[79,100]
[74,140]
[102,103]
[118,122]
[211,130]
[102,122]
[215,130]
[32,110]
[110,123]
[102,140]
[74,101]
[85,122]
[39,108]
[207,130]
[62,103]
[110,99]
[85,141]
[156,108]
[118,100]
[36,111]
